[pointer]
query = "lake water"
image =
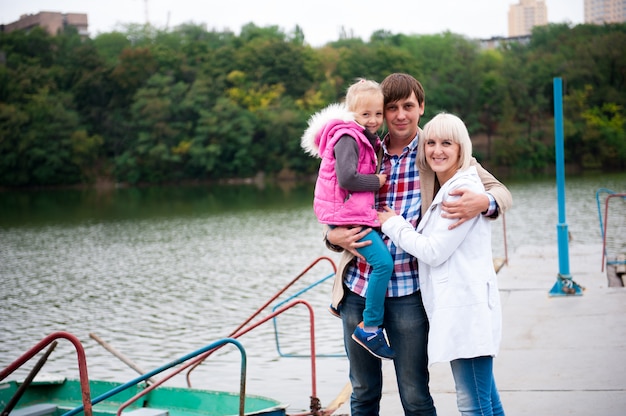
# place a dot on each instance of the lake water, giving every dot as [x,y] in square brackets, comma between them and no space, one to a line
[160,272]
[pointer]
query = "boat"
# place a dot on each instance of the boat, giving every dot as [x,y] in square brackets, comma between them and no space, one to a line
[142,396]
[60,396]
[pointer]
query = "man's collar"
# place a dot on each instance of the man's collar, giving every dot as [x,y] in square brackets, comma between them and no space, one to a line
[412,146]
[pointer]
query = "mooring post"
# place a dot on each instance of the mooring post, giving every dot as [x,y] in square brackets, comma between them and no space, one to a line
[564,285]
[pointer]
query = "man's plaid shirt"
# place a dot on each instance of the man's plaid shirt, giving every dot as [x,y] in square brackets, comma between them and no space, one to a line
[402,193]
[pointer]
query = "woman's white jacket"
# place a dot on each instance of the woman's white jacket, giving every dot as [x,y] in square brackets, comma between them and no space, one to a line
[456,275]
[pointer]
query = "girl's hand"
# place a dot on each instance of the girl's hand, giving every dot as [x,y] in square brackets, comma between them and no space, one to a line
[382,178]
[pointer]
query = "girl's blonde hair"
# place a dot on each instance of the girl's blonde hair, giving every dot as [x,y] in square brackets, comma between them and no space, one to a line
[446,126]
[360,88]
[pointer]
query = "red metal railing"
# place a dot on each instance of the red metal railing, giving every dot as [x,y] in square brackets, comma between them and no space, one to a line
[82,364]
[606,221]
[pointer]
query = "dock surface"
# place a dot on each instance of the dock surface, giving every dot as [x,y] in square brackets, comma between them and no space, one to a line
[560,355]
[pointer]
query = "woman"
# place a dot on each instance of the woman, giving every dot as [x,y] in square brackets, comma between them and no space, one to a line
[457,277]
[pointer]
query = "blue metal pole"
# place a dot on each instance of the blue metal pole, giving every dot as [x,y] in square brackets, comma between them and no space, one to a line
[564,284]
[560,179]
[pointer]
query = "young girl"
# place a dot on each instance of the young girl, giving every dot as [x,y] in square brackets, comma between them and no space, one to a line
[345,137]
[456,273]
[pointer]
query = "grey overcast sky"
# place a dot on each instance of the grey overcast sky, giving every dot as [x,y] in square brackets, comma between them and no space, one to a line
[321,20]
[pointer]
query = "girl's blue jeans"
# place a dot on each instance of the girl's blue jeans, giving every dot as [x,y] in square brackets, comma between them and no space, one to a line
[378,256]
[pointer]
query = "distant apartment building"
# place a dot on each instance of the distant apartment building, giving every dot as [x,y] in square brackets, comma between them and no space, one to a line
[52,22]
[605,11]
[525,15]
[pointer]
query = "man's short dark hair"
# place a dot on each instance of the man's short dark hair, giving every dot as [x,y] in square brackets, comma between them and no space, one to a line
[398,86]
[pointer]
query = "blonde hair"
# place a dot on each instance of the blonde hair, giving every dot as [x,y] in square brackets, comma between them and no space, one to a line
[361,87]
[446,126]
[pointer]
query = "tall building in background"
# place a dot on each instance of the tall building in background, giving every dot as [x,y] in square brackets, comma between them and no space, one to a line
[605,11]
[525,15]
[52,22]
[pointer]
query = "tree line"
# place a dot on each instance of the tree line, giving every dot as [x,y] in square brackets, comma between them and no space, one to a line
[144,105]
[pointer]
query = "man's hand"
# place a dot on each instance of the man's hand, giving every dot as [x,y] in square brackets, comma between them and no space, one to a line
[348,238]
[469,205]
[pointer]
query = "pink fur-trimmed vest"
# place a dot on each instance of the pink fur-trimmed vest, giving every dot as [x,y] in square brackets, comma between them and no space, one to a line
[333,204]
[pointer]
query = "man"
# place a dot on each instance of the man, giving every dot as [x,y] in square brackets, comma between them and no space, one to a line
[409,191]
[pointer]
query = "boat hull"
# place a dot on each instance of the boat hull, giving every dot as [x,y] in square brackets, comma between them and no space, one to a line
[66,395]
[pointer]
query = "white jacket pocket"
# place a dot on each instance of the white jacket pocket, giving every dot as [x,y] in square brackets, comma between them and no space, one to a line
[492,294]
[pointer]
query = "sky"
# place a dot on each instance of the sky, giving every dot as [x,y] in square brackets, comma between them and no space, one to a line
[321,20]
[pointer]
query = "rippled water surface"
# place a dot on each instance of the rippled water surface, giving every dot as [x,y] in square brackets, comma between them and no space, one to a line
[161,272]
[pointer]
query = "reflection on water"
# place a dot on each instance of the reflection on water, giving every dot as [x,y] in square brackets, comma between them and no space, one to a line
[160,272]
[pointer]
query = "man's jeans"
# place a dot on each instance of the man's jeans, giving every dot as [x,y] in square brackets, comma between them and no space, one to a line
[407,329]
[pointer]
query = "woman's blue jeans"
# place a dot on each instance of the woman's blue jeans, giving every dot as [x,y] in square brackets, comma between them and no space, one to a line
[476,392]
[407,329]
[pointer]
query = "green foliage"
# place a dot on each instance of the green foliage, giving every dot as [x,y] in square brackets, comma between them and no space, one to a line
[605,132]
[144,104]
[111,45]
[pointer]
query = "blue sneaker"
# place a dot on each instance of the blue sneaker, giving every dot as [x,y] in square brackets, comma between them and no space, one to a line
[375,342]
[334,311]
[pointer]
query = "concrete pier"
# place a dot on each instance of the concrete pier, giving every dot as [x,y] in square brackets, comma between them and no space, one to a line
[560,355]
